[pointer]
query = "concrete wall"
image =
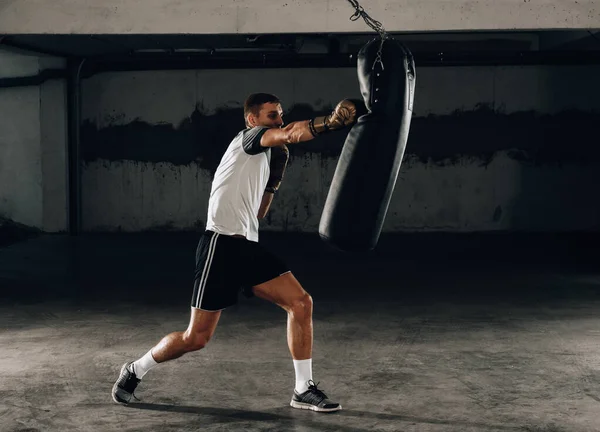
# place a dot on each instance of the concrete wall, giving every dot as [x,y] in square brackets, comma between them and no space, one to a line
[291,16]
[33,180]
[491,148]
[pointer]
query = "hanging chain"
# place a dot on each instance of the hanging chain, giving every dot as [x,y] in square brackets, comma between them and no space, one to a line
[374,24]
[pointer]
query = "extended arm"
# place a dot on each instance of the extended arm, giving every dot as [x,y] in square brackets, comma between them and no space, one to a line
[293,133]
[343,115]
[306,130]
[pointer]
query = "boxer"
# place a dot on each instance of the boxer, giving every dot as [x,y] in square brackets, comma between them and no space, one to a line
[229,258]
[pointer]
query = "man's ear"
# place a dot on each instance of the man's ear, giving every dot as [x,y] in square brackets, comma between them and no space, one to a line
[251,120]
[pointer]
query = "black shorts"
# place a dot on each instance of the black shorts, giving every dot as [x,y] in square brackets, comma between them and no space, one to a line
[226,265]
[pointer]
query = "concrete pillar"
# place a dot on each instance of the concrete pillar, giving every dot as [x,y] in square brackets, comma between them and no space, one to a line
[32,144]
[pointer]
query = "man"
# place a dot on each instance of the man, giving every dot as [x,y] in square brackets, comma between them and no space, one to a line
[244,184]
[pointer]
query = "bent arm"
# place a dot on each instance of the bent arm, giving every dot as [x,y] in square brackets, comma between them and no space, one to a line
[293,133]
[265,204]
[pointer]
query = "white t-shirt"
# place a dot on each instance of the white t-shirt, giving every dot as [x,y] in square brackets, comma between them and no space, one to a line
[238,186]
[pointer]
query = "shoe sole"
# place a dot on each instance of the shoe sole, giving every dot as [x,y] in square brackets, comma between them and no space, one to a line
[310,407]
[114,388]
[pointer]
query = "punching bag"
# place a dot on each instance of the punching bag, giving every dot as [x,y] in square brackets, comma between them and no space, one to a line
[368,166]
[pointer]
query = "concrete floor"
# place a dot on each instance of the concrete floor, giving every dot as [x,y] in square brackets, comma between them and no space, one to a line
[427,333]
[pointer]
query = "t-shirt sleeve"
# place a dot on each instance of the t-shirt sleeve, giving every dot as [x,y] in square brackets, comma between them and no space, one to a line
[251,140]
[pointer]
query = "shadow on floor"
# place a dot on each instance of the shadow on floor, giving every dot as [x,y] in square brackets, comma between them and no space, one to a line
[230,415]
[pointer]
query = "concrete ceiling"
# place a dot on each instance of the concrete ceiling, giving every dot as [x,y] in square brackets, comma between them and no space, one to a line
[241,17]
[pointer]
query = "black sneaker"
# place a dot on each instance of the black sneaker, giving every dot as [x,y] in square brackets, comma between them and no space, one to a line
[314,399]
[122,391]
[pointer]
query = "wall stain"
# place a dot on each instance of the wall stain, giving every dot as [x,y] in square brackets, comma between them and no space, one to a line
[569,136]
[527,136]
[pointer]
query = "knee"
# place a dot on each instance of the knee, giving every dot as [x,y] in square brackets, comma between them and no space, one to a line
[302,307]
[195,341]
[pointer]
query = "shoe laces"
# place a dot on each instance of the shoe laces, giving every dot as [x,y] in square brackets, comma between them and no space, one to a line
[312,386]
[131,382]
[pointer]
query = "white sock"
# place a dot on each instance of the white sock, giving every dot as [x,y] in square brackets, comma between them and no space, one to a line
[142,366]
[303,370]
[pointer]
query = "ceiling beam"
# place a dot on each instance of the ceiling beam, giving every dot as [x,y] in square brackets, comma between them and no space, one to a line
[274,17]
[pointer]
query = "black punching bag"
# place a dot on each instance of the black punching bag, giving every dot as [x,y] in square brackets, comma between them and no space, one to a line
[368,167]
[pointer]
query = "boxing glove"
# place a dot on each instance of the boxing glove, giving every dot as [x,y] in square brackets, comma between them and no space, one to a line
[344,114]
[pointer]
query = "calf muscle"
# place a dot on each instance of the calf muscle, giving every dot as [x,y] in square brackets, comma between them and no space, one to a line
[201,328]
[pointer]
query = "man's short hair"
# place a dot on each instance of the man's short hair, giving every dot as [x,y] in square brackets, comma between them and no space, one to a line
[254,102]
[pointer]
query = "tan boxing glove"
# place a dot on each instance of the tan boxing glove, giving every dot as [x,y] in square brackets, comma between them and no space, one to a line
[344,114]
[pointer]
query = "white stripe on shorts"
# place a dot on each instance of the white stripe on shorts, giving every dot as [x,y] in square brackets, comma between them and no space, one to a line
[206,270]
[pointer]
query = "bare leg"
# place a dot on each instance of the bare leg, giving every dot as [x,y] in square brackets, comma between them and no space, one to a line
[287,292]
[201,328]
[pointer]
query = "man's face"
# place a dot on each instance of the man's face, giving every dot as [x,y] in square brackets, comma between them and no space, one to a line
[270,115]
